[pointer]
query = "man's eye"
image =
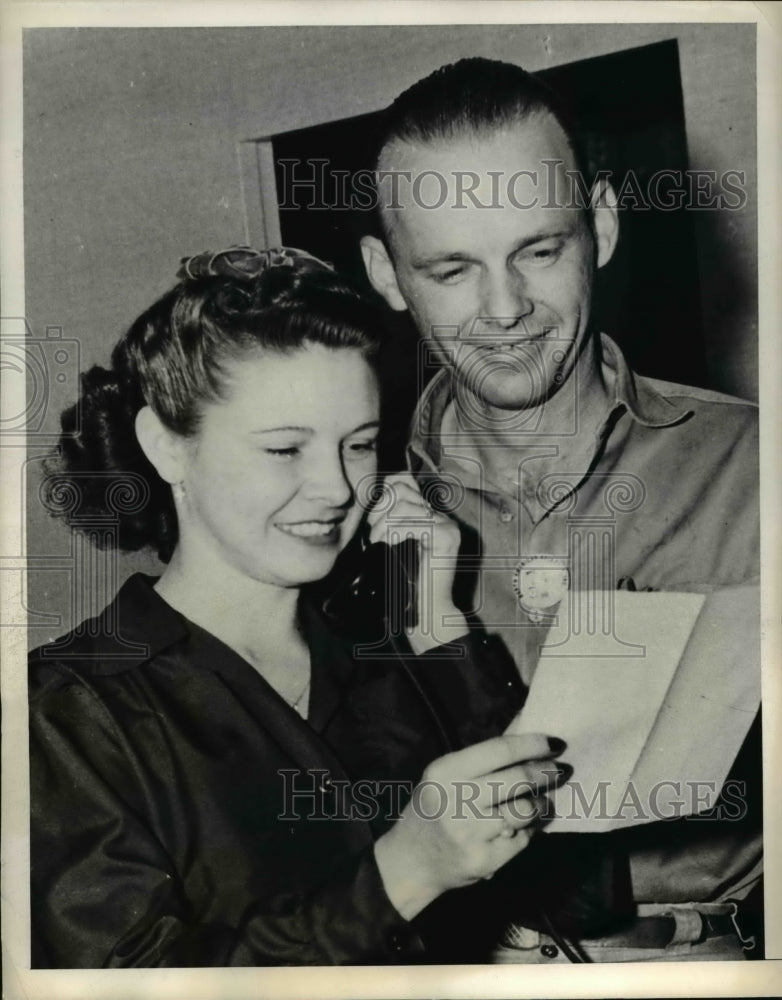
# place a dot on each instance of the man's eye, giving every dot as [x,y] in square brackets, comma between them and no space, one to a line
[542,255]
[451,276]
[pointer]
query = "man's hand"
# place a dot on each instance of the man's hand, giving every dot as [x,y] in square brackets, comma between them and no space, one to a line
[408,516]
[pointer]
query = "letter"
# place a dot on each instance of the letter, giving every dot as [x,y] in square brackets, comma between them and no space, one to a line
[631,795]
[579,195]
[631,189]
[394,176]
[292,794]
[575,789]
[316,184]
[704,182]
[657,198]
[739,190]
[732,804]
[461,190]
[495,187]
[473,789]
[521,788]
[418,180]
[365,794]
[551,183]
[418,793]
[338,790]
[342,200]
[702,807]
[511,192]
[654,805]
[364,196]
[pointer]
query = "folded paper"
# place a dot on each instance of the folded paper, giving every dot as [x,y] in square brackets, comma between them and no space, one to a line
[653,694]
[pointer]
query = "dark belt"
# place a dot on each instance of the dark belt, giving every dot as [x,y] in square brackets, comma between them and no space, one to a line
[659,932]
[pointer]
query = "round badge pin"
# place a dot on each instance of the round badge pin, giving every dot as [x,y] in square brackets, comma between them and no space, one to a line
[540,583]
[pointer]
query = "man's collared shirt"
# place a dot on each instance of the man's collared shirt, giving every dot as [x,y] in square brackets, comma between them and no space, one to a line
[667,489]
[660,492]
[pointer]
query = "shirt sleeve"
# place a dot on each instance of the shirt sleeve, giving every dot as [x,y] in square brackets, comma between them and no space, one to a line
[473,685]
[105,892]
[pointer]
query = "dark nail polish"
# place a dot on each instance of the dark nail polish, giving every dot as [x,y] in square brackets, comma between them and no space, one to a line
[556,745]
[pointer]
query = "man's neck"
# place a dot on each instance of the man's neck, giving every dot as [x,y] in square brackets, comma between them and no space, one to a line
[570,411]
[561,431]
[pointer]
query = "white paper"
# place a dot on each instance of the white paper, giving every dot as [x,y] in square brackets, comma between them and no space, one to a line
[653,711]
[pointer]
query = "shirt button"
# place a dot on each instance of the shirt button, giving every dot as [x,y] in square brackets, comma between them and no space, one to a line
[549,951]
[506,516]
[396,941]
[326,786]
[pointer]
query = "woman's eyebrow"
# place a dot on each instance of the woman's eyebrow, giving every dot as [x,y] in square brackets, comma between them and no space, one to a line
[366,426]
[285,427]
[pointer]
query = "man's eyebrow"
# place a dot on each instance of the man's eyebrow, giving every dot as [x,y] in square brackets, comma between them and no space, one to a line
[420,263]
[458,256]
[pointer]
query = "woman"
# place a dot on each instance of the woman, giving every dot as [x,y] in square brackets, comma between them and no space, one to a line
[214,769]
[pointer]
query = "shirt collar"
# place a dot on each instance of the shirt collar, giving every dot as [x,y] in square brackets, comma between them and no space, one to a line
[638,395]
[645,404]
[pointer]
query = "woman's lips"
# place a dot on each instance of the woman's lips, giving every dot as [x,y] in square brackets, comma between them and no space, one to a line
[312,532]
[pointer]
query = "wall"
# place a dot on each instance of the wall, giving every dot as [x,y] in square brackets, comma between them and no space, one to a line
[131,162]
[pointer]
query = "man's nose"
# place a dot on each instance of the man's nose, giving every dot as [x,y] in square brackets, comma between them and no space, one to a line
[505,299]
[328,482]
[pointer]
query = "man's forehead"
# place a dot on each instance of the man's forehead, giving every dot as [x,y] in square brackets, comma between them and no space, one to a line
[443,190]
[535,139]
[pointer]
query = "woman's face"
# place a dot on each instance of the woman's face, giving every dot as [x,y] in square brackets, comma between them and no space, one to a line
[270,480]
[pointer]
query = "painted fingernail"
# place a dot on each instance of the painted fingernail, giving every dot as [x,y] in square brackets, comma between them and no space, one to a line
[556,745]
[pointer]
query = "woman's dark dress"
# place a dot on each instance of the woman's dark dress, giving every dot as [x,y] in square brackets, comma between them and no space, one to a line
[184,815]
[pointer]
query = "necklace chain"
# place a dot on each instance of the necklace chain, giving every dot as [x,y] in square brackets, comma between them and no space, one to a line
[299,703]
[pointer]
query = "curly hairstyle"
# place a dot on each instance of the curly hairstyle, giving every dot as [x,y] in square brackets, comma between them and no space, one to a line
[174,358]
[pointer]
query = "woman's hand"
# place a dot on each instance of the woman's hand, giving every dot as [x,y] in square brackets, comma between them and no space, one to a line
[403,513]
[472,811]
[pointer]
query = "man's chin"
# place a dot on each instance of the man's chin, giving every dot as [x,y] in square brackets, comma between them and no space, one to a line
[506,398]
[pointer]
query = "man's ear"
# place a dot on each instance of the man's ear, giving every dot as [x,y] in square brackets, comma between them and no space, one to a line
[605,220]
[380,270]
[164,449]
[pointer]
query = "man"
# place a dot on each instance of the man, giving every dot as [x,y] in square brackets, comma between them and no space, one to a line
[556,451]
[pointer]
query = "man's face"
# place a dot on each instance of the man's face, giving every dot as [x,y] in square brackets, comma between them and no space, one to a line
[502,291]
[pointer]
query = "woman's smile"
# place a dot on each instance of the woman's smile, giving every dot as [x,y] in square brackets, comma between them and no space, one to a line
[313,532]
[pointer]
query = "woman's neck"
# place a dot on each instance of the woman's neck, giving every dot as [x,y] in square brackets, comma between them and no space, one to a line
[256,619]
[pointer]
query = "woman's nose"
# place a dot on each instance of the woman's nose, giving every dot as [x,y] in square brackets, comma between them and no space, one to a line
[328,482]
[505,299]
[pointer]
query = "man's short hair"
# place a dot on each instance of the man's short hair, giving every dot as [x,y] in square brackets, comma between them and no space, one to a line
[467,97]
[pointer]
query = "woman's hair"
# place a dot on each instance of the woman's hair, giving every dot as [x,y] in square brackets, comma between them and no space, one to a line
[174,358]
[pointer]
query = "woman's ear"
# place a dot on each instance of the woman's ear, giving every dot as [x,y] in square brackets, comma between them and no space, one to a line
[164,449]
[380,270]
[605,220]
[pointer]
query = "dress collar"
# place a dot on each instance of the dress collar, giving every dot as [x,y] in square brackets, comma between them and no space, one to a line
[136,626]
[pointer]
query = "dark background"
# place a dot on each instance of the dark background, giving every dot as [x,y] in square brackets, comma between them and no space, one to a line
[647,297]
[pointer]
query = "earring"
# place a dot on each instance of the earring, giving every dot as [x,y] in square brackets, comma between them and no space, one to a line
[178,489]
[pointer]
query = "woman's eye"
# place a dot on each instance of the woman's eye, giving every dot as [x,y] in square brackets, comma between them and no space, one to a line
[283,452]
[363,447]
